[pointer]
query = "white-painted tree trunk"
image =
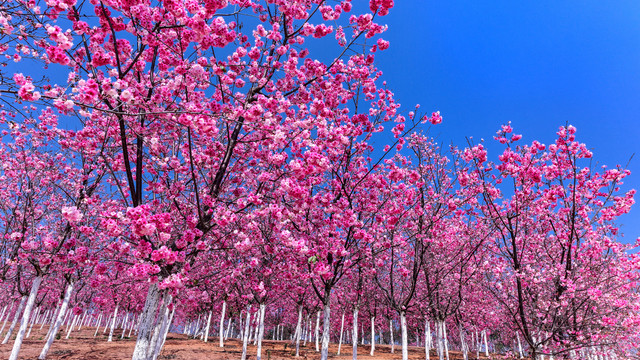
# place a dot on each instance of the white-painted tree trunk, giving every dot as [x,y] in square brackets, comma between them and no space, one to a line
[326,331]
[16,317]
[113,323]
[486,345]
[4,310]
[166,330]
[463,344]
[33,321]
[98,325]
[124,325]
[354,333]
[391,340]
[25,318]
[226,333]
[373,335]
[446,341]
[45,319]
[317,332]
[440,339]
[298,333]
[70,326]
[162,326]
[427,339]
[305,331]
[58,322]
[341,331]
[145,326]
[4,324]
[220,331]
[261,313]
[206,329]
[245,337]
[156,338]
[405,341]
[520,346]
[84,317]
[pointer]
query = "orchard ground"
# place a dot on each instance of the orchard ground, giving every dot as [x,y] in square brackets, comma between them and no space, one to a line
[82,345]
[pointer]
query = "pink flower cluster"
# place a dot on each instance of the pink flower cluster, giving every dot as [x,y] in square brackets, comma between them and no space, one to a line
[71,214]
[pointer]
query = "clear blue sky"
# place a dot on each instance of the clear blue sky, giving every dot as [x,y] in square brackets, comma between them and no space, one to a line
[538,64]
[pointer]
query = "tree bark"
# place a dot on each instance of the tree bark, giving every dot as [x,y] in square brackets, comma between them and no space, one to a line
[341,331]
[16,317]
[298,333]
[145,326]
[260,330]
[326,329]
[373,335]
[25,318]
[245,337]
[113,324]
[405,342]
[58,322]
[221,330]
[354,333]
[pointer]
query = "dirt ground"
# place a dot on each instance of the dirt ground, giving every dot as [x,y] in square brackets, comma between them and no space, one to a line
[82,345]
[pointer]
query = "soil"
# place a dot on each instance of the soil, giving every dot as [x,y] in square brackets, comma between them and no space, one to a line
[82,345]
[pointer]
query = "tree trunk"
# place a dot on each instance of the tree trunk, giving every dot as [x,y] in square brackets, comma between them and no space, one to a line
[298,333]
[4,324]
[354,333]
[463,344]
[33,321]
[98,325]
[260,330]
[58,322]
[166,330]
[25,318]
[206,329]
[113,323]
[71,324]
[520,346]
[220,331]
[317,332]
[341,331]
[326,328]
[486,345]
[124,325]
[162,326]
[245,337]
[446,341]
[16,317]
[391,340]
[405,341]
[427,339]
[145,327]
[226,332]
[373,335]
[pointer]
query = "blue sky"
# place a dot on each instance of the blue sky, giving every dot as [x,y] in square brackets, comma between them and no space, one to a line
[538,64]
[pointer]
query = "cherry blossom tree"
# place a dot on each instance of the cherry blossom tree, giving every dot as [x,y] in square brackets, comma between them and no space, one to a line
[557,258]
